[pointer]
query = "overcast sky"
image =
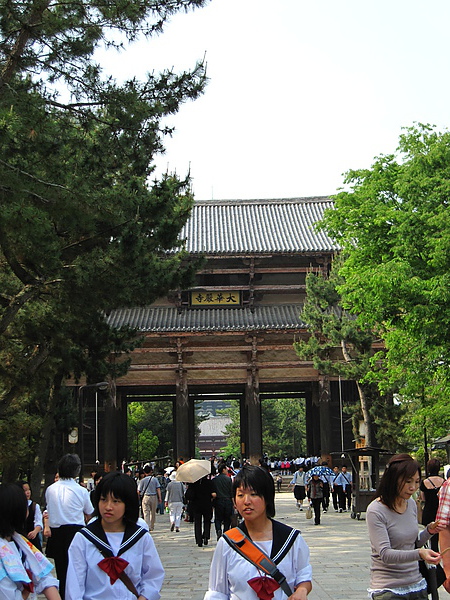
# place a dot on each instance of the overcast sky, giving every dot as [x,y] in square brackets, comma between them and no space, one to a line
[299,91]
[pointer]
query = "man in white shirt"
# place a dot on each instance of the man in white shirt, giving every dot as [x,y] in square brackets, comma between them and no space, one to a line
[345,480]
[69,507]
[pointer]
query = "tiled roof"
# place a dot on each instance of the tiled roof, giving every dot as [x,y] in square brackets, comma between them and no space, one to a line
[214,426]
[169,319]
[257,226]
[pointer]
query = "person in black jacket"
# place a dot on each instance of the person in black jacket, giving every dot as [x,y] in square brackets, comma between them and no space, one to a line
[223,503]
[199,495]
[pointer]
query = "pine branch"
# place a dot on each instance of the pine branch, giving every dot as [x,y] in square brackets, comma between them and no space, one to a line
[33,177]
[23,38]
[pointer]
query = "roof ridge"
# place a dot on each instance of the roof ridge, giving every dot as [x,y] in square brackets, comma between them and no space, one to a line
[236,201]
[203,308]
[160,319]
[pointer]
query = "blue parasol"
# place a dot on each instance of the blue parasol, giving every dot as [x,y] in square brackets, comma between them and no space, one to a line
[321,471]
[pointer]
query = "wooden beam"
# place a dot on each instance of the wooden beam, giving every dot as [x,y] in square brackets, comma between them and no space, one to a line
[221,366]
[218,334]
[239,270]
[244,288]
[188,348]
[294,379]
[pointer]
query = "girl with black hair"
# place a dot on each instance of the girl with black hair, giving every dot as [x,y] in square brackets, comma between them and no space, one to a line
[393,532]
[231,576]
[33,524]
[113,556]
[24,570]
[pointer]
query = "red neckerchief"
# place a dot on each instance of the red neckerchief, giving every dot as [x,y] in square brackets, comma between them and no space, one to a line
[264,587]
[113,567]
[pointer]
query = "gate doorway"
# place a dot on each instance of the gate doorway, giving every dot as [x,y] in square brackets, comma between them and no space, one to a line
[316,431]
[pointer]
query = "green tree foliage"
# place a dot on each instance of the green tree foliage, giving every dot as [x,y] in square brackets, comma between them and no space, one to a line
[153,419]
[339,346]
[393,222]
[284,427]
[82,228]
[283,424]
[149,420]
[143,444]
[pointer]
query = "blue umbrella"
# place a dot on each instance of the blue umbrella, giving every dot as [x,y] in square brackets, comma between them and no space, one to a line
[321,471]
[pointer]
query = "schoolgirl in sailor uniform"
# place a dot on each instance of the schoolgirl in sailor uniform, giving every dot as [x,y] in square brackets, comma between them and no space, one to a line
[231,576]
[24,570]
[113,554]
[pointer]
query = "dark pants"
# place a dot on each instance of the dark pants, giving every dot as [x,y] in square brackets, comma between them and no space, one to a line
[223,512]
[202,517]
[345,497]
[348,495]
[326,495]
[316,503]
[336,494]
[59,543]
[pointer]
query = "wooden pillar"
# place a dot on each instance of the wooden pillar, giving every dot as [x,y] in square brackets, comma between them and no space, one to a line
[122,443]
[114,441]
[251,421]
[184,447]
[325,420]
[313,420]
[251,418]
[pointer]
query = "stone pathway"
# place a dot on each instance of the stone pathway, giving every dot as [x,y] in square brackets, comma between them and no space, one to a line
[340,555]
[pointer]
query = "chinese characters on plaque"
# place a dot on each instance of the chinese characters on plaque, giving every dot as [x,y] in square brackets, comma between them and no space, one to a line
[222,298]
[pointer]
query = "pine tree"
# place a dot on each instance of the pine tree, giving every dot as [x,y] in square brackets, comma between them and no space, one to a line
[83,229]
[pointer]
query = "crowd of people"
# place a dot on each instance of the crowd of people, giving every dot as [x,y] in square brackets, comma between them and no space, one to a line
[317,485]
[98,534]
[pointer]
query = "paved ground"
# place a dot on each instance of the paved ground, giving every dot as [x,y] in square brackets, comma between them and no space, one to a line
[339,555]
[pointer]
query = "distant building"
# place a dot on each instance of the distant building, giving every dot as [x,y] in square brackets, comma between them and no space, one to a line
[212,436]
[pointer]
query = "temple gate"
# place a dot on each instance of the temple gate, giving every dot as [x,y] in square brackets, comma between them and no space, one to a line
[233,332]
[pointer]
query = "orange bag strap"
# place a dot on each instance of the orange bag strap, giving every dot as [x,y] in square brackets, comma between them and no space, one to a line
[244,546]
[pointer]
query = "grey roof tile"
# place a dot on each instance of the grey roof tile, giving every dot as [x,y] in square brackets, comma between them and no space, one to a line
[170,320]
[257,226]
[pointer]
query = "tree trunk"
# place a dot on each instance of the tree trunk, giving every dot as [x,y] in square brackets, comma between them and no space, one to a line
[9,472]
[48,426]
[22,40]
[362,398]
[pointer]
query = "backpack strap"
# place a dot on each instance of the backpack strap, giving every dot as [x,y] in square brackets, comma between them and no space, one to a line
[283,539]
[244,546]
[147,486]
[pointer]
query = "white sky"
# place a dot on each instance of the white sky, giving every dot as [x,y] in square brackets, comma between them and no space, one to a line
[299,91]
